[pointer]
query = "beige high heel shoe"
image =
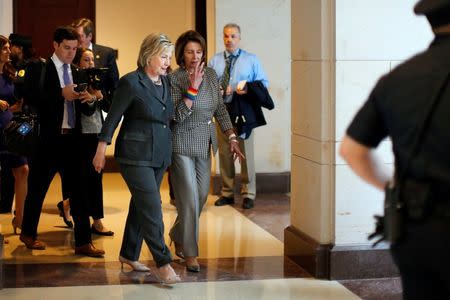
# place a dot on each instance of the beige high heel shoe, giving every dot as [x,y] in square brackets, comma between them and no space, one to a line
[15,224]
[135,265]
[171,278]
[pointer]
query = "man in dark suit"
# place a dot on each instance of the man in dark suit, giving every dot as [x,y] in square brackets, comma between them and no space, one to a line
[49,90]
[104,57]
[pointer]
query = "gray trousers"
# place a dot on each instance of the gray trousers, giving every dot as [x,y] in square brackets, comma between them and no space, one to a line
[227,171]
[190,181]
[144,220]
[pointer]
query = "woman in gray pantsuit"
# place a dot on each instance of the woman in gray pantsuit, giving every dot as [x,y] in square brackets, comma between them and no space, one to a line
[143,150]
[197,99]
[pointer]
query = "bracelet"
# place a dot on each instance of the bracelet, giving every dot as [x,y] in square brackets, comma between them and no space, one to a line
[232,136]
[191,93]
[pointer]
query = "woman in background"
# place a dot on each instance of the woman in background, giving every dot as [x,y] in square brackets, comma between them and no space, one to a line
[90,128]
[16,162]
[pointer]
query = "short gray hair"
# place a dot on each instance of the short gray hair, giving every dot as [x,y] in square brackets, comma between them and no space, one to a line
[233,25]
[154,44]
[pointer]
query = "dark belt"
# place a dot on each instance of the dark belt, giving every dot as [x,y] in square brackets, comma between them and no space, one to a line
[67,130]
[427,198]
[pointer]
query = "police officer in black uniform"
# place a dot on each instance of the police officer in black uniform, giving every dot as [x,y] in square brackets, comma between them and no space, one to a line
[396,108]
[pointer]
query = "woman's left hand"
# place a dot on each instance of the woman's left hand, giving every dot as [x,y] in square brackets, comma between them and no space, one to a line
[234,148]
[99,159]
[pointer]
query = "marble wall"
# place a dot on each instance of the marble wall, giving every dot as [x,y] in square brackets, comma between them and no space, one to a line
[340,48]
[265,26]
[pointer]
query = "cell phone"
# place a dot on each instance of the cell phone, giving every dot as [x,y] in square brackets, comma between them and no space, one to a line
[24,128]
[81,87]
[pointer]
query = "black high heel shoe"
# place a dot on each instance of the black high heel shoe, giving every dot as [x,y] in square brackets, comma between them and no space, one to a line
[192,264]
[15,225]
[178,249]
[98,232]
[60,206]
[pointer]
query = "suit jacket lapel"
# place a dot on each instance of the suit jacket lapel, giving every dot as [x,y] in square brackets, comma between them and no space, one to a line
[150,87]
[97,56]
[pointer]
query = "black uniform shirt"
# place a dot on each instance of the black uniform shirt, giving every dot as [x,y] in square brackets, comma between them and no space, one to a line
[396,108]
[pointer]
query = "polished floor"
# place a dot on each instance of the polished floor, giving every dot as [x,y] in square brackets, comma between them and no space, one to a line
[241,257]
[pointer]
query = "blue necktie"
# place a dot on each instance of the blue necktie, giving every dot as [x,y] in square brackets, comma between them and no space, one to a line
[69,104]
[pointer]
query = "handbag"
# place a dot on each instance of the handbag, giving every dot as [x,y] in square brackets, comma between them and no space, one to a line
[397,205]
[19,134]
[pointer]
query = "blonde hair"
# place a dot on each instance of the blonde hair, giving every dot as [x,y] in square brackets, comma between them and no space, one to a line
[154,44]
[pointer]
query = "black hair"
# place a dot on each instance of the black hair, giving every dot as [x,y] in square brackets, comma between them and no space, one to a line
[65,33]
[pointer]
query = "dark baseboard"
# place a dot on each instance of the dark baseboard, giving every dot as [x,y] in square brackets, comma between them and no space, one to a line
[265,183]
[307,253]
[336,262]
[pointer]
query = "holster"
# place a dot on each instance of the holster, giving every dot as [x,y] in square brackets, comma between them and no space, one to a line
[411,199]
[394,214]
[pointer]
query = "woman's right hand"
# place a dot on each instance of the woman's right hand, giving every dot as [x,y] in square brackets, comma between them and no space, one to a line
[3,105]
[196,77]
[97,93]
[99,159]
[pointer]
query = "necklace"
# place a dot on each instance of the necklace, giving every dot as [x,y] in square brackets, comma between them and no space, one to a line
[158,81]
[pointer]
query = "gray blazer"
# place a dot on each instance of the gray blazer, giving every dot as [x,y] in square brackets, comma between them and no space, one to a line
[144,138]
[194,129]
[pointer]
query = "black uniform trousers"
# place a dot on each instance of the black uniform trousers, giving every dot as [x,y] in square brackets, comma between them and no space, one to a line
[61,154]
[423,259]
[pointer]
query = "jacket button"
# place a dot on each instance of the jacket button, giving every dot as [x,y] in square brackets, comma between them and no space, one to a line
[164,108]
[164,126]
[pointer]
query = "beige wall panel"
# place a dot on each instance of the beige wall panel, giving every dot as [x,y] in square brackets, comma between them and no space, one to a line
[312,99]
[311,21]
[312,212]
[124,24]
[320,152]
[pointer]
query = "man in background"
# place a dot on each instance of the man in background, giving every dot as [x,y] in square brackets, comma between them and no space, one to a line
[233,66]
[104,57]
[50,91]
